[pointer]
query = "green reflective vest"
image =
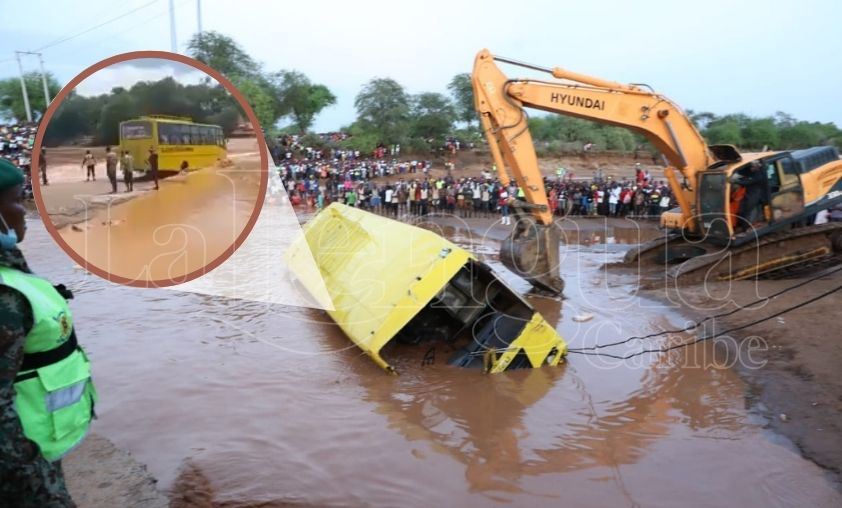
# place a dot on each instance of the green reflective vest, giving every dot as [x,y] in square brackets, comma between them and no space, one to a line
[54,393]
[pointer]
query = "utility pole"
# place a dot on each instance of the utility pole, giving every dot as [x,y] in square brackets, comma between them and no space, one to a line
[23,89]
[47,99]
[172,27]
[199,15]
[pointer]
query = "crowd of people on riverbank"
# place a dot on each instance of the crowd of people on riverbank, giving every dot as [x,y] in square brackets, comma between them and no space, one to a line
[16,142]
[315,183]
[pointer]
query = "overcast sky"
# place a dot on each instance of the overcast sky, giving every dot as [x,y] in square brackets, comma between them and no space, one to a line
[126,74]
[724,56]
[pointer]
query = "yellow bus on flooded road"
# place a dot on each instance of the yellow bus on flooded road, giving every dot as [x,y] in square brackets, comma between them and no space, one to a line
[176,139]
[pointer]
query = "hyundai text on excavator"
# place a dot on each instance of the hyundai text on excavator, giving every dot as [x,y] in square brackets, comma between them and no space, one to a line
[711,233]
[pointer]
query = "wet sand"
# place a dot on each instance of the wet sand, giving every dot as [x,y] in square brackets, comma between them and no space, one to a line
[236,403]
[793,377]
[99,475]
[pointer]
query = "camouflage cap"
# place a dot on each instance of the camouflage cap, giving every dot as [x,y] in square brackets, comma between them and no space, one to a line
[10,175]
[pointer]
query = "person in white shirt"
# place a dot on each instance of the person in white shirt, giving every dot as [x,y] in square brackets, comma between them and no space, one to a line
[388,203]
[613,199]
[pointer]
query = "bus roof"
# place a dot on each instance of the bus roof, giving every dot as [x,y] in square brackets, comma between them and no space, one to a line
[170,119]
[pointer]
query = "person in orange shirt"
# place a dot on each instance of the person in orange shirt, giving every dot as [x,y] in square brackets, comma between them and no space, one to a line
[738,192]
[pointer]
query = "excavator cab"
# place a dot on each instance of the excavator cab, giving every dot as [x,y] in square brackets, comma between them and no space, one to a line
[749,196]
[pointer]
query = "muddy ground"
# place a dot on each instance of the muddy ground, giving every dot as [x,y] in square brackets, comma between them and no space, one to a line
[98,474]
[793,369]
[580,167]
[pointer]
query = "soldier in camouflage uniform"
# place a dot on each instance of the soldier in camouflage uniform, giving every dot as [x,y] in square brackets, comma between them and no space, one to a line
[27,479]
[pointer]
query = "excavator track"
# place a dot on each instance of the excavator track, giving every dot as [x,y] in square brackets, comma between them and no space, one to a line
[775,256]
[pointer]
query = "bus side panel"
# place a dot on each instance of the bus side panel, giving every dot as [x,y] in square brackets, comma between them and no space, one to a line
[197,156]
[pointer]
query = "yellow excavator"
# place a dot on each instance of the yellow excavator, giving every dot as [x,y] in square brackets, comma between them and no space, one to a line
[740,215]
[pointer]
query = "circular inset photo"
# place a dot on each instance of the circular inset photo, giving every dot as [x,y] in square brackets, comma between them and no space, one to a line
[149,169]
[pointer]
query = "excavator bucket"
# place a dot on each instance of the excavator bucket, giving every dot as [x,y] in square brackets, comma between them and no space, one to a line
[531,251]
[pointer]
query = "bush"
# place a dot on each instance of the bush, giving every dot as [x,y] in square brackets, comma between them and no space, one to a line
[312,140]
[416,145]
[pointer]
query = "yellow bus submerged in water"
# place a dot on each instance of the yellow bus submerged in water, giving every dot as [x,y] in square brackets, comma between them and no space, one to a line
[176,139]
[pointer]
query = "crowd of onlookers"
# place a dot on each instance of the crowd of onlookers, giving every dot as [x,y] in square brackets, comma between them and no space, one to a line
[315,177]
[16,142]
[319,178]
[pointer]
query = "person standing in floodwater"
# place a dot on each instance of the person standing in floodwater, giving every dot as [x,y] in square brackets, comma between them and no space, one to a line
[153,165]
[127,165]
[46,393]
[42,166]
[89,162]
[111,168]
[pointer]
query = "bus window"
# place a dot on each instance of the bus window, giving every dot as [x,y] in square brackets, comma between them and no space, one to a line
[195,136]
[184,134]
[167,134]
[136,130]
[206,135]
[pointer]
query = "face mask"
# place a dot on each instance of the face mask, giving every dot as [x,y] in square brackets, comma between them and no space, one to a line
[9,239]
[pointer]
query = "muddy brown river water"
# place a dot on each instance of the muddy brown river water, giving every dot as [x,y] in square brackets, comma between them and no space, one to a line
[170,233]
[262,405]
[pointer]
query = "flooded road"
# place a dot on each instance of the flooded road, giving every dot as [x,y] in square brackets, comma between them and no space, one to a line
[167,234]
[259,405]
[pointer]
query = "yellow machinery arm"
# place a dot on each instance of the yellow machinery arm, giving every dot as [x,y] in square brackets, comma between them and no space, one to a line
[532,249]
[500,100]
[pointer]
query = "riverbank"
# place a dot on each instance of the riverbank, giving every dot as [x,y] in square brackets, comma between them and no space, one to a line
[792,369]
[100,475]
[69,203]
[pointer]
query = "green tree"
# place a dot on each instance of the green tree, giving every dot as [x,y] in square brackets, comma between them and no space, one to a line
[724,132]
[617,138]
[800,135]
[432,115]
[222,54]
[227,119]
[11,96]
[121,107]
[761,132]
[383,109]
[262,101]
[462,92]
[301,99]
[70,119]
[100,116]
[784,120]
[701,119]
[361,138]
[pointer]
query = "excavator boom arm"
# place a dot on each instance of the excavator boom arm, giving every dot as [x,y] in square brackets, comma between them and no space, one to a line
[500,102]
